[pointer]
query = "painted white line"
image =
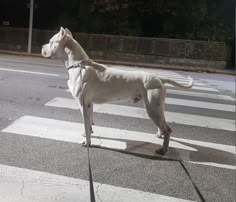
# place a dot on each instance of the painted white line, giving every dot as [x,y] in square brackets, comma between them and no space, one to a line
[179,118]
[204,88]
[197,84]
[200,94]
[201,88]
[186,83]
[135,112]
[214,165]
[72,131]
[56,64]
[210,154]
[200,104]
[221,147]
[19,184]
[28,72]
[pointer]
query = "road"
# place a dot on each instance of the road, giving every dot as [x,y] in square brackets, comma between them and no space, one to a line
[40,130]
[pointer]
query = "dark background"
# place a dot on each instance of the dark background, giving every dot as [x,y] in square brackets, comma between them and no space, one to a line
[209,20]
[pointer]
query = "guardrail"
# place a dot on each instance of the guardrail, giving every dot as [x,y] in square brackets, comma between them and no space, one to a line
[125,48]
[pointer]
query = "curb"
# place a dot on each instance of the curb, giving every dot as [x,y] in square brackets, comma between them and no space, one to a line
[146,65]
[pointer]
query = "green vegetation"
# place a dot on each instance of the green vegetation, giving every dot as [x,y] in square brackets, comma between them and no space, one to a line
[188,19]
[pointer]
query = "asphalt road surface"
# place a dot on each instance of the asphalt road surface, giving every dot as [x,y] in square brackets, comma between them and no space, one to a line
[40,130]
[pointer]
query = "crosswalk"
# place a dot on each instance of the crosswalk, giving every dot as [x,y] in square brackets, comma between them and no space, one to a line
[60,188]
[26,185]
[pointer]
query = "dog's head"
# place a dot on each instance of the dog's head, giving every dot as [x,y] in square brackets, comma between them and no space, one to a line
[56,46]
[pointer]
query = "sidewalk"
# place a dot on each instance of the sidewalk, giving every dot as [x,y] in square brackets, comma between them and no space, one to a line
[12,55]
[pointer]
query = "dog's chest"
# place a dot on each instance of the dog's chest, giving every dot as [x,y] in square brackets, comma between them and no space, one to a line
[75,82]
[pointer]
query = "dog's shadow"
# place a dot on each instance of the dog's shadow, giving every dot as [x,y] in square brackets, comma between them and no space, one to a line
[178,150]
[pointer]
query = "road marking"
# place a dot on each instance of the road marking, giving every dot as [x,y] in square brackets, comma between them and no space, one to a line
[200,104]
[200,94]
[141,143]
[186,83]
[72,131]
[171,101]
[204,88]
[19,184]
[135,112]
[214,165]
[28,72]
[46,63]
[201,88]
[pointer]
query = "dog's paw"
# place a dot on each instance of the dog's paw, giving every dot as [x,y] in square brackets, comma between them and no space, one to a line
[84,134]
[159,134]
[135,100]
[85,144]
[161,151]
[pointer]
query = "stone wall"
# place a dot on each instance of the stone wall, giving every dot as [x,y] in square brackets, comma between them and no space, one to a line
[128,49]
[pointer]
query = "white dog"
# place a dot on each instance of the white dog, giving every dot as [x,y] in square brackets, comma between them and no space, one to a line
[90,82]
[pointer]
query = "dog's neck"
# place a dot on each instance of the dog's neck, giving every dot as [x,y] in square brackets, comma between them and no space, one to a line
[75,53]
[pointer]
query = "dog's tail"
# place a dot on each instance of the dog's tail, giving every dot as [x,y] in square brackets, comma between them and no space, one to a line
[174,83]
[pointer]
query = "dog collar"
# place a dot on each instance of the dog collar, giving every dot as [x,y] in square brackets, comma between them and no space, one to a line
[74,66]
[81,64]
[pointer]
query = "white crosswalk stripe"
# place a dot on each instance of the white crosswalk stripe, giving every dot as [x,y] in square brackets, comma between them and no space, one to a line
[18,184]
[59,188]
[200,94]
[199,88]
[115,139]
[136,112]
[200,104]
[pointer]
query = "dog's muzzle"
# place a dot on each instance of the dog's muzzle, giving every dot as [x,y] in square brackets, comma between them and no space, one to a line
[45,51]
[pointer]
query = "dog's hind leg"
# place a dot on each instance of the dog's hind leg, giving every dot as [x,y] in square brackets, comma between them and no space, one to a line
[166,131]
[154,103]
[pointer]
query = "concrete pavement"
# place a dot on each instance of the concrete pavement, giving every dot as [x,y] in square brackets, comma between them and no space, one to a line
[40,129]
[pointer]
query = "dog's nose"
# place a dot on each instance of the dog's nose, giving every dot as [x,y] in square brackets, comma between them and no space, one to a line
[43,52]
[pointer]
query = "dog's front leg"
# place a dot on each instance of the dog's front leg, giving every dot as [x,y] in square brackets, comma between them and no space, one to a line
[87,124]
[91,117]
[90,109]
[86,116]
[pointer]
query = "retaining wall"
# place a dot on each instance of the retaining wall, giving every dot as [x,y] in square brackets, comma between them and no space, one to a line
[129,49]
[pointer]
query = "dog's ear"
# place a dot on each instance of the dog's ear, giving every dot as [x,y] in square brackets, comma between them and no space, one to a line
[68,32]
[62,33]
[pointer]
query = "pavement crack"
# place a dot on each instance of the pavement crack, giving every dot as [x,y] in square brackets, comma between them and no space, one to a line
[193,183]
[23,186]
[97,190]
